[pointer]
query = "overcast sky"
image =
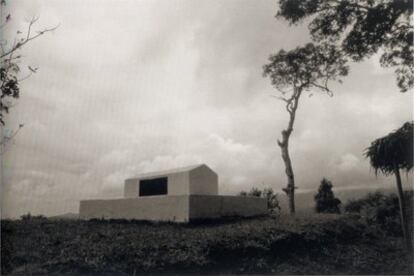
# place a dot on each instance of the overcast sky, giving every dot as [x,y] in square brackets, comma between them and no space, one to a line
[125,87]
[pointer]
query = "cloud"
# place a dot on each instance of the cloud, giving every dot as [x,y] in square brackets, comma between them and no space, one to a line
[348,162]
[228,145]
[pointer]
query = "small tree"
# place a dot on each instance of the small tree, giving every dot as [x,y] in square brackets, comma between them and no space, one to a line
[325,200]
[294,73]
[10,59]
[389,155]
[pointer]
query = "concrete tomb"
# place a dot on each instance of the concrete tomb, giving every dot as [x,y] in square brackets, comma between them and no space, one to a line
[177,195]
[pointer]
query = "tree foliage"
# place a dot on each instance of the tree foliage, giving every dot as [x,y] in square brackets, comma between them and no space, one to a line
[361,28]
[395,149]
[9,87]
[311,66]
[325,200]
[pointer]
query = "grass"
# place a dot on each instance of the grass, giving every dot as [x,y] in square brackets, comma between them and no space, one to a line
[318,244]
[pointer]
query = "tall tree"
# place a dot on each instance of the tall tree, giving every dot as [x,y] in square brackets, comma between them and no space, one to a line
[296,72]
[389,155]
[361,28]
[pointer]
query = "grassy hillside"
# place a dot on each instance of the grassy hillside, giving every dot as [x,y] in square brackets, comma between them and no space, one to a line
[318,244]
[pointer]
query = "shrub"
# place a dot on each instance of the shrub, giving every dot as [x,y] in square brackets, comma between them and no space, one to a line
[372,199]
[325,200]
[379,209]
[272,201]
[255,192]
[28,216]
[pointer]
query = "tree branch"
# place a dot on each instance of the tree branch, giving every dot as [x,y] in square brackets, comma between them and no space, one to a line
[28,38]
[324,87]
[279,98]
[7,139]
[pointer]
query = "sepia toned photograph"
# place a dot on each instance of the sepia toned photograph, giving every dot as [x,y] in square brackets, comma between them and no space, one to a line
[216,137]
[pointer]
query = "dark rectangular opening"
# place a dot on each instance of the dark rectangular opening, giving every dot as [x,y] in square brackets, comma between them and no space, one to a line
[156,186]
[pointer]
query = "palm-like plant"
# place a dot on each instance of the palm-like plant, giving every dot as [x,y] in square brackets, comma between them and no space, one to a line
[389,155]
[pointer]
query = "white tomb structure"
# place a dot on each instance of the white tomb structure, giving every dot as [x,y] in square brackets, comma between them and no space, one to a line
[177,195]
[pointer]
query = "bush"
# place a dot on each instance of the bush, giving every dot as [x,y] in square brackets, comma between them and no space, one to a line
[272,200]
[268,193]
[379,209]
[325,200]
[371,200]
[29,216]
[255,192]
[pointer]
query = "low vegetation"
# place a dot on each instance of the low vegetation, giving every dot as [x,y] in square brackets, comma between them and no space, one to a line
[315,244]
[383,211]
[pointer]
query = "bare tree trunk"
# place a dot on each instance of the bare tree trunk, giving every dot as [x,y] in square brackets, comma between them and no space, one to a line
[290,187]
[291,107]
[403,213]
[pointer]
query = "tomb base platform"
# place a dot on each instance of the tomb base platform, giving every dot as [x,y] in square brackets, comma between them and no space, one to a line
[174,208]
